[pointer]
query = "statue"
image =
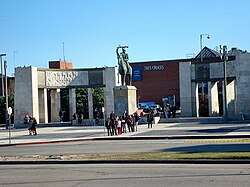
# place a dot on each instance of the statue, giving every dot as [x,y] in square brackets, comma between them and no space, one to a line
[124,66]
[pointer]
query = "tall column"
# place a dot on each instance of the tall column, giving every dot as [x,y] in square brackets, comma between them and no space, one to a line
[26,94]
[185,89]
[72,102]
[55,105]
[43,109]
[213,99]
[90,103]
[195,100]
[231,98]
[110,78]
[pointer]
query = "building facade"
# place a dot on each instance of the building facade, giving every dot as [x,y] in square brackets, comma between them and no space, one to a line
[197,83]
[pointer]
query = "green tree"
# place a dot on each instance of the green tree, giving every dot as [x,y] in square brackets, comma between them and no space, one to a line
[3,107]
[64,94]
[98,97]
[82,101]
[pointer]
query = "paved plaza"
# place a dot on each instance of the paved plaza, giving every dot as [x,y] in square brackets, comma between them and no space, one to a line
[61,133]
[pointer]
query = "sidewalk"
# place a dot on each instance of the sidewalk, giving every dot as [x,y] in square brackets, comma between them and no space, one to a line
[84,133]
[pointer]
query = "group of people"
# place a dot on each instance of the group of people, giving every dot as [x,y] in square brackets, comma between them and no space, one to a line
[78,118]
[116,125]
[33,124]
[169,111]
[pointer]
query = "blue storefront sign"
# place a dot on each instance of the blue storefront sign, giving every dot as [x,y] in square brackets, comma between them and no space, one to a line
[137,73]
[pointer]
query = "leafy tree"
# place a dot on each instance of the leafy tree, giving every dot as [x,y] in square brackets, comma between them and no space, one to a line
[82,101]
[3,107]
[98,99]
[64,94]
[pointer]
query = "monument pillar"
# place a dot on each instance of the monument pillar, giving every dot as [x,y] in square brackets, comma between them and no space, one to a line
[43,110]
[195,99]
[55,105]
[72,102]
[231,97]
[125,99]
[26,94]
[213,99]
[185,89]
[90,103]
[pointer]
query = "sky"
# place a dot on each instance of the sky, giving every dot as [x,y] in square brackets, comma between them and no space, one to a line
[34,32]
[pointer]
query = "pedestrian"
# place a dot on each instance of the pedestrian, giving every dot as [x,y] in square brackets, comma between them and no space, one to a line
[26,119]
[119,125]
[150,119]
[32,128]
[130,123]
[137,118]
[113,123]
[80,119]
[61,113]
[107,125]
[97,116]
[124,122]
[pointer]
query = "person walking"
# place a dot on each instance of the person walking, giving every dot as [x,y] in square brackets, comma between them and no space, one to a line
[32,128]
[137,118]
[113,123]
[150,119]
[107,125]
[124,122]
[119,125]
[130,123]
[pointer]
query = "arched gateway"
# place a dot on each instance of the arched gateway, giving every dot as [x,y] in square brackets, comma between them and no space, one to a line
[32,85]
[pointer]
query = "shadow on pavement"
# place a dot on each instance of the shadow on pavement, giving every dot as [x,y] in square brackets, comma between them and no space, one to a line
[210,148]
[216,130]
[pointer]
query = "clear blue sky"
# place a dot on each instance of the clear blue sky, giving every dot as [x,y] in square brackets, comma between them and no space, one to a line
[32,32]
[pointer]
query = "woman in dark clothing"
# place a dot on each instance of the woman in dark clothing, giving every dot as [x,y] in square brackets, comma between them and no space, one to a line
[32,128]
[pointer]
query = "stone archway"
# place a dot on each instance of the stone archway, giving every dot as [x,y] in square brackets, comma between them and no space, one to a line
[32,85]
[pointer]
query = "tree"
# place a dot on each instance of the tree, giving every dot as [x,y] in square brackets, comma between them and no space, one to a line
[82,101]
[3,107]
[98,99]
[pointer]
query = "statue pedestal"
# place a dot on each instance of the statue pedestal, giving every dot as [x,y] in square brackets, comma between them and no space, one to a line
[125,99]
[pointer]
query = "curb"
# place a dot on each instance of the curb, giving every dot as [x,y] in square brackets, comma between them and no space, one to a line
[183,161]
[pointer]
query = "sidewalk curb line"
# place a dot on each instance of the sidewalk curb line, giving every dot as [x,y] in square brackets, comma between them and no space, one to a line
[182,161]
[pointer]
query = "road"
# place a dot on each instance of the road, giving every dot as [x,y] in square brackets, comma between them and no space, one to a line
[127,146]
[146,175]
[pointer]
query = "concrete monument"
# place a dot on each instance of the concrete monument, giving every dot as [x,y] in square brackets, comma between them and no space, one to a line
[124,95]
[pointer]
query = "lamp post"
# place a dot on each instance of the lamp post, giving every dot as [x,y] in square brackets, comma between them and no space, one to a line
[6,95]
[1,56]
[208,37]
[224,57]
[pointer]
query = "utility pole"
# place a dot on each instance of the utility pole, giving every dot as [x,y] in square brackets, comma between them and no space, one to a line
[1,56]
[224,57]
[6,95]
[202,83]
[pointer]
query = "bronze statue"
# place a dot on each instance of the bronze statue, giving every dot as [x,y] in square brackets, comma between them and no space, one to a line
[124,66]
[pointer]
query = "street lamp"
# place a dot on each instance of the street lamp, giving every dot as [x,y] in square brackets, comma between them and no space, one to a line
[208,37]
[224,57]
[1,56]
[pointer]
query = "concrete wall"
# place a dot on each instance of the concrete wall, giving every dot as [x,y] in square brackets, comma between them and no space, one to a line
[213,99]
[124,99]
[26,94]
[185,89]
[110,78]
[242,82]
